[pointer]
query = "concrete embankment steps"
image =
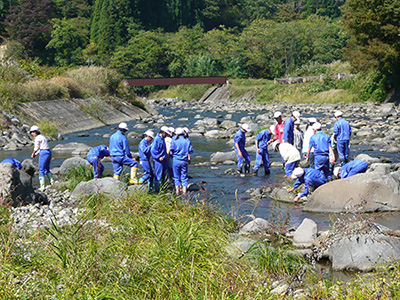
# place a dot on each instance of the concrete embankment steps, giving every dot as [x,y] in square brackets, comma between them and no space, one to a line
[70,118]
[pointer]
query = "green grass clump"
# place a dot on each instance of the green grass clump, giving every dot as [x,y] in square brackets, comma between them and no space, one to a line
[77,174]
[48,128]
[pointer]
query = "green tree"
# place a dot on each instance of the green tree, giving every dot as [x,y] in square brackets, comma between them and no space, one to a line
[374,26]
[68,39]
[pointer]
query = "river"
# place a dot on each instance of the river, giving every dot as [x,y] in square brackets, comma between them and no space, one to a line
[225,191]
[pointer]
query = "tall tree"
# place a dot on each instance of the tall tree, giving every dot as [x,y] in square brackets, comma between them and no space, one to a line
[29,23]
[374,26]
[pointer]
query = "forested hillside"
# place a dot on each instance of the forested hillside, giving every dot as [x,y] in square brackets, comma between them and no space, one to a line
[236,38]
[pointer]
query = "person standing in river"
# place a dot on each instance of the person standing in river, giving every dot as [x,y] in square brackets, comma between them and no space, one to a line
[42,149]
[306,141]
[239,144]
[121,154]
[342,133]
[145,156]
[288,128]
[298,136]
[181,149]
[262,155]
[159,154]
[94,157]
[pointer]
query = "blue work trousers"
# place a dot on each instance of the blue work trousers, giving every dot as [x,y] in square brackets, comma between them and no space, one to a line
[44,162]
[290,167]
[343,150]
[147,170]
[262,158]
[181,172]
[98,167]
[120,161]
[321,163]
[245,157]
[160,168]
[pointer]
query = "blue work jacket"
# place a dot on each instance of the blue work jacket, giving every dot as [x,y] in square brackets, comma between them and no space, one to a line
[119,145]
[288,131]
[12,161]
[311,177]
[158,148]
[321,142]
[352,168]
[263,137]
[240,139]
[181,148]
[342,130]
[99,151]
[144,150]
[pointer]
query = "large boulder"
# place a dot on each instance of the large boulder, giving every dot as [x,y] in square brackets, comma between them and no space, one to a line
[361,246]
[108,186]
[220,157]
[368,159]
[29,166]
[72,163]
[305,233]
[15,186]
[368,192]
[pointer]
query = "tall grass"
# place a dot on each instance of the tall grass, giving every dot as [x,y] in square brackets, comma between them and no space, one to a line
[77,174]
[48,128]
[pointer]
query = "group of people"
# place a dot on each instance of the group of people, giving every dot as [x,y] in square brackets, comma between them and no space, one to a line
[315,146]
[170,150]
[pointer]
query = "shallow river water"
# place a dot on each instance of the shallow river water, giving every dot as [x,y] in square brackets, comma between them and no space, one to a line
[225,191]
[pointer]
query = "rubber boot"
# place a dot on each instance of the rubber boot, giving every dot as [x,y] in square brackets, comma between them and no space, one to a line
[50,178]
[134,179]
[239,170]
[150,186]
[140,181]
[42,182]
[247,169]
[116,177]
[157,186]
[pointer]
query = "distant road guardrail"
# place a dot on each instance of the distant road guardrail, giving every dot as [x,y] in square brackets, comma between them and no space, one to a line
[176,81]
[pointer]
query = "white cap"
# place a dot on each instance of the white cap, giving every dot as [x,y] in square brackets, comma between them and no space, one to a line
[297,172]
[272,129]
[274,144]
[277,114]
[338,113]
[297,122]
[246,127]
[296,114]
[179,131]
[185,129]
[336,171]
[123,126]
[164,129]
[149,133]
[34,128]
[312,120]
[317,126]
[171,129]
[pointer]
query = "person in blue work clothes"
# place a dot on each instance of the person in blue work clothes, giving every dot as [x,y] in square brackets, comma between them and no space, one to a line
[352,168]
[288,128]
[145,156]
[121,154]
[159,154]
[181,149]
[239,143]
[311,178]
[262,155]
[342,133]
[94,157]
[322,151]
[14,162]
[42,149]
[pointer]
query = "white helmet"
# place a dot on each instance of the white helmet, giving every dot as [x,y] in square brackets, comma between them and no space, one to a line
[296,114]
[272,129]
[179,131]
[336,171]
[149,133]
[246,127]
[123,126]
[312,120]
[171,130]
[277,114]
[34,128]
[297,172]
[185,129]
[338,113]
[317,126]
[164,129]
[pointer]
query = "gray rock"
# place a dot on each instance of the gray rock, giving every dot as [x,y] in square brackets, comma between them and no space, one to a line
[387,110]
[280,194]
[258,225]
[368,192]
[305,234]
[212,133]
[380,168]
[29,166]
[368,159]
[71,163]
[228,124]
[108,186]
[70,147]
[220,157]
[15,186]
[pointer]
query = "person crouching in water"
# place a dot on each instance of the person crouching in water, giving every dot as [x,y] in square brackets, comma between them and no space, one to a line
[181,149]
[121,154]
[262,156]
[159,154]
[241,153]
[94,157]
[145,155]
[42,149]
[311,178]
[290,155]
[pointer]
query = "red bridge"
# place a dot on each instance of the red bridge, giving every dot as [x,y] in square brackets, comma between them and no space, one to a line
[176,81]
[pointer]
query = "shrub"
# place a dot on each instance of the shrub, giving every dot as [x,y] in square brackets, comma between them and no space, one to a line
[40,90]
[74,89]
[48,128]
[94,107]
[98,81]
